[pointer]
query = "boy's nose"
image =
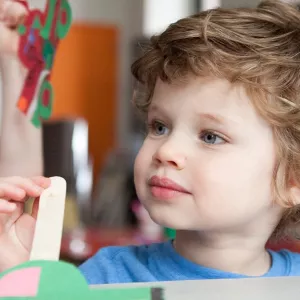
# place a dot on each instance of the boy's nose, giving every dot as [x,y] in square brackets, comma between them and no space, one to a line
[170,156]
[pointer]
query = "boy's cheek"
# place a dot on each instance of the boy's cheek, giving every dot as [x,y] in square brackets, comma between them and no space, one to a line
[145,155]
[141,166]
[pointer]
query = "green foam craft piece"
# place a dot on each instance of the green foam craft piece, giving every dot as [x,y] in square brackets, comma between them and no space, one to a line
[61,280]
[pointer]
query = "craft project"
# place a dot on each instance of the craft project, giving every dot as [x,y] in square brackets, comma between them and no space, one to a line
[62,281]
[40,35]
[47,280]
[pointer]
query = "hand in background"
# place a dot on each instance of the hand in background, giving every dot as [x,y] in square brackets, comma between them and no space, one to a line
[21,150]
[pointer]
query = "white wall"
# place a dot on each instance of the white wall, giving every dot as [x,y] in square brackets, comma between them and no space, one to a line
[208,4]
[239,3]
[158,14]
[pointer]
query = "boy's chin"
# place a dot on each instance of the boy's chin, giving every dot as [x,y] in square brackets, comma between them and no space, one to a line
[169,221]
[182,223]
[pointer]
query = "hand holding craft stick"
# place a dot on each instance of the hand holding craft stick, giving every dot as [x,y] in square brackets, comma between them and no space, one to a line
[36,236]
[20,142]
[16,227]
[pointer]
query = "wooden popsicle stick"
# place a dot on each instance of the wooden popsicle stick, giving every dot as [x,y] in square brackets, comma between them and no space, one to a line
[49,224]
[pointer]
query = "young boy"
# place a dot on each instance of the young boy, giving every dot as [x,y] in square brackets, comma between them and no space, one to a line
[221,161]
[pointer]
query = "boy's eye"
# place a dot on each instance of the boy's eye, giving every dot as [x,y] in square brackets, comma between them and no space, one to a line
[158,128]
[212,138]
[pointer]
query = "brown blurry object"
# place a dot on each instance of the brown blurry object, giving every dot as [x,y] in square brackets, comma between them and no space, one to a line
[114,192]
[66,154]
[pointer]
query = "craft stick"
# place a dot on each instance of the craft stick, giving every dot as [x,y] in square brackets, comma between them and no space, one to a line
[49,224]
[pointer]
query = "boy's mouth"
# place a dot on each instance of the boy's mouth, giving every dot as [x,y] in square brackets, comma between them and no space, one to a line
[165,188]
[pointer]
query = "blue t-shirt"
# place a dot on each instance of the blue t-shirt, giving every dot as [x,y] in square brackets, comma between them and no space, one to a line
[160,262]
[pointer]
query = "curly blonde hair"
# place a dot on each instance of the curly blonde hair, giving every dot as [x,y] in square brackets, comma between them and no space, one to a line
[256,47]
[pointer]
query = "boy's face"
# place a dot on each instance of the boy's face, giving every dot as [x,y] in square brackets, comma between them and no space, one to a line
[206,137]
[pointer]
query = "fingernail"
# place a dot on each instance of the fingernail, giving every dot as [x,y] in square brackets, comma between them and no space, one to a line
[20,192]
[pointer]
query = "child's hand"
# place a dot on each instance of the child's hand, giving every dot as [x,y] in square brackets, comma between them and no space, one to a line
[17,227]
[12,14]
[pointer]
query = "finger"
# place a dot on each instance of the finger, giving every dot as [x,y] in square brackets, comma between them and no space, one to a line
[41,181]
[7,207]
[35,207]
[13,13]
[22,2]
[2,5]
[29,186]
[11,191]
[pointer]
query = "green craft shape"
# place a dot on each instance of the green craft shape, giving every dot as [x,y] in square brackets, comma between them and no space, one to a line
[43,112]
[45,32]
[63,281]
[36,22]
[48,54]
[22,29]
[62,29]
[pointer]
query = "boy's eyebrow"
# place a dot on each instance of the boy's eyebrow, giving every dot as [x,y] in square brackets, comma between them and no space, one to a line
[218,119]
[153,108]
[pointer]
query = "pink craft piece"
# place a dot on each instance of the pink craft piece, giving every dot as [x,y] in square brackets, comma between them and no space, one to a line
[21,283]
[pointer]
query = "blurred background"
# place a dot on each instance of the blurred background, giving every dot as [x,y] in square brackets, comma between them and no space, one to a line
[94,133]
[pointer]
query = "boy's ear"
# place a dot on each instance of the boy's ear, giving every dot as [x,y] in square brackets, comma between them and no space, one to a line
[295,194]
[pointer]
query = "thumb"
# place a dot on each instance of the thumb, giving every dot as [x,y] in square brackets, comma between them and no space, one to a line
[12,14]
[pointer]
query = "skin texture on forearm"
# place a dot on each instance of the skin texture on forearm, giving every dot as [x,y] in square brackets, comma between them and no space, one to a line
[21,151]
